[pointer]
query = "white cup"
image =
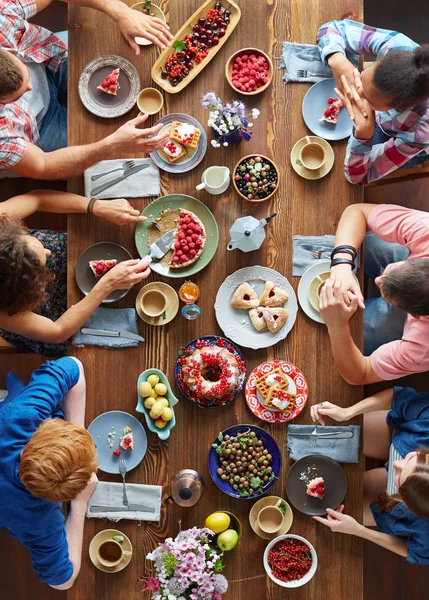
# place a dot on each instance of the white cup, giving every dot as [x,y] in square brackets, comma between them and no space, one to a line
[215,180]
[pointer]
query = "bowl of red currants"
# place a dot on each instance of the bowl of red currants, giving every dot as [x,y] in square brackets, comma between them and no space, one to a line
[249,71]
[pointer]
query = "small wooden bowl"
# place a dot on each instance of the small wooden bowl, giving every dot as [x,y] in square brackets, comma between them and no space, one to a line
[256,199]
[230,63]
[157,12]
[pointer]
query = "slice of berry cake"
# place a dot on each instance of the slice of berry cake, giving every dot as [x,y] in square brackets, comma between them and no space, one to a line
[332,112]
[110,84]
[100,267]
[316,488]
[190,239]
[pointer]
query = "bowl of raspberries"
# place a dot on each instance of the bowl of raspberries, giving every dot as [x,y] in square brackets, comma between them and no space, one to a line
[249,71]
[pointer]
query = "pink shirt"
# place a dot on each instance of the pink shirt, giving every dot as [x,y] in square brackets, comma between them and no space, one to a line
[409,228]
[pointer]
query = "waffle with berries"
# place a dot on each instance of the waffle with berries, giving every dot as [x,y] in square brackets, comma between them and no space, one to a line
[280,400]
[174,151]
[190,238]
[100,267]
[316,488]
[274,379]
[332,112]
[185,134]
[110,84]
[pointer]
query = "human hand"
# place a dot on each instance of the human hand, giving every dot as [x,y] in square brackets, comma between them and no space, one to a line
[129,138]
[334,309]
[86,493]
[134,23]
[357,105]
[126,274]
[117,211]
[339,522]
[349,283]
[340,65]
[337,413]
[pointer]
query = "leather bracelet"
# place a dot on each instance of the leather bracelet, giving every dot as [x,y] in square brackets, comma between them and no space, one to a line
[90,207]
[344,249]
[342,261]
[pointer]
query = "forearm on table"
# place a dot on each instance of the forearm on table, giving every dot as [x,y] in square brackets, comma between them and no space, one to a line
[51,201]
[390,542]
[74,531]
[109,7]
[351,363]
[75,400]
[380,401]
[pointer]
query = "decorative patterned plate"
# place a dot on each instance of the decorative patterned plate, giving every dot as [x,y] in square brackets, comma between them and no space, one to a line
[208,340]
[192,158]
[315,103]
[297,385]
[236,323]
[105,105]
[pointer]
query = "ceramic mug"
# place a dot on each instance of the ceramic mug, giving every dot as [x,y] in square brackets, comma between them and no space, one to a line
[110,553]
[150,101]
[312,155]
[270,518]
[215,180]
[316,288]
[153,303]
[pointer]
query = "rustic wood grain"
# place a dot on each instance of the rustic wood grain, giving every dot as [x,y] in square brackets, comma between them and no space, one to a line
[303,207]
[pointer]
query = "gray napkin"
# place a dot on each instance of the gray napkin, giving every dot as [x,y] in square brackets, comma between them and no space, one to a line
[110,494]
[342,450]
[110,319]
[141,184]
[303,245]
[307,57]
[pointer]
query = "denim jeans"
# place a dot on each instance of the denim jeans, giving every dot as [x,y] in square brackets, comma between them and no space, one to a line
[53,128]
[383,322]
[380,137]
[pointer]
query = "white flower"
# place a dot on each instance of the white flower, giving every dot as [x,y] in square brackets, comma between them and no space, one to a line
[213,143]
[255,113]
[225,144]
[249,124]
[171,597]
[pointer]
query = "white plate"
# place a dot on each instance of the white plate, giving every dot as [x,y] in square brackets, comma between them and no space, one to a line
[320,267]
[235,322]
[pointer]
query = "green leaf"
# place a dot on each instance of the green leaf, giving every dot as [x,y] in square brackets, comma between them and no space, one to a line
[243,493]
[179,45]
[148,5]
[164,315]
[220,436]
[298,162]
[182,352]
[272,476]
[283,508]
[255,483]
[218,450]
[218,566]
[118,538]
[170,563]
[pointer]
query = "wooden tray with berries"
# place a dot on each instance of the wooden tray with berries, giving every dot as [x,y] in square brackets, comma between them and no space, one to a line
[195,44]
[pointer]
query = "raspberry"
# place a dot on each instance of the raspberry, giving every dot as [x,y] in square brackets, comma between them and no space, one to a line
[185,249]
[112,88]
[181,235]
[177,245]
[183,258]
[194,237]
[117,452]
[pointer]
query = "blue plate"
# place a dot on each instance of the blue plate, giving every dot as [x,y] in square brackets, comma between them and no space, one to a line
[315,103]
[116,420]
[164,433]
[193,158]
[269,443]
[178,371]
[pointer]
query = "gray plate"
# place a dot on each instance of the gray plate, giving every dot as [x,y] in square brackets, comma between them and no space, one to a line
[116,420]
[315,103]
[85,278]
[105,105]
[307,468]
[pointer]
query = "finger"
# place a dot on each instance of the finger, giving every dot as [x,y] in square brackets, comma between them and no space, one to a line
[140,276]
[333,513]
[133,211]
[340,509]
[139,120]
[130,263]
[152,38]
[163,27]
[160,34]
[145,262]
[346,99]
[319,417]
[337,287]
[329,289]
[323,521]
[132,42]
[151,131]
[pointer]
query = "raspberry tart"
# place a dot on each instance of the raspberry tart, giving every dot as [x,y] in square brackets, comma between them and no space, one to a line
[190,239]
[316,488]
[100,267]
[332,112]
[110,85]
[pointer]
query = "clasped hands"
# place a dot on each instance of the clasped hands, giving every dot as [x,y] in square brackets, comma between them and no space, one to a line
[357,105]
[339,300]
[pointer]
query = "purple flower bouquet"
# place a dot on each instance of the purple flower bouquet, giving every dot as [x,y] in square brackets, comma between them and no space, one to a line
[228,122]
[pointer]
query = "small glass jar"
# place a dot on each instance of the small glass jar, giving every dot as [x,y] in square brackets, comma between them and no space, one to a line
[189,293]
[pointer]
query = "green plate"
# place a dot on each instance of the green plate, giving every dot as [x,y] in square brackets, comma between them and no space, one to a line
[175,202]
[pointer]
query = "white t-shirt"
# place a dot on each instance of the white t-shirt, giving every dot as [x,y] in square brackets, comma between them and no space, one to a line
[39,97]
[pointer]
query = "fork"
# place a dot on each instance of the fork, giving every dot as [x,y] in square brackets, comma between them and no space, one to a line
[319,253]
[128,164]
[313,436]
[302,73]
[123,472]
[153,222]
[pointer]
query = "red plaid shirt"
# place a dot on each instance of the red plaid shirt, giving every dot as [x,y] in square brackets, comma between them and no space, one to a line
[29,43]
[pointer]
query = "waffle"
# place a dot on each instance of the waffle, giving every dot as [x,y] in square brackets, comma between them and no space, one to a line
[176,135]
[281,395]
[173,159]
[264,389]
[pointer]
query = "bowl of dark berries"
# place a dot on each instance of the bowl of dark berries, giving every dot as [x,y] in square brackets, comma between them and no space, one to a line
[249,71]
[256,178]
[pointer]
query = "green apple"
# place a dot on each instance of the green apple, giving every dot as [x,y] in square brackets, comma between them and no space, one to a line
[227,540]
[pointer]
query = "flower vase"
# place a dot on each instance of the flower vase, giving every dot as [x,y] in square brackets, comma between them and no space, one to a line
[232,137]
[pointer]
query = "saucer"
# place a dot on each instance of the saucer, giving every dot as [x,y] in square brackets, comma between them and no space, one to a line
[102,536]
[312,290]
[262,503]
[172,307]
[307,173]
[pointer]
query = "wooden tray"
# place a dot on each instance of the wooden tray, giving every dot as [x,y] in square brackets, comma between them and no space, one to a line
[187,30]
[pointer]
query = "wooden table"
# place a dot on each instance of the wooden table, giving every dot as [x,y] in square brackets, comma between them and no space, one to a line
[303,207]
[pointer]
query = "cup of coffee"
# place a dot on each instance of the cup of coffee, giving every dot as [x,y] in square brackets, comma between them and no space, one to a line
[150,101]
[110,553]
[271,518]
[312,155]
[315,289]
[153,303]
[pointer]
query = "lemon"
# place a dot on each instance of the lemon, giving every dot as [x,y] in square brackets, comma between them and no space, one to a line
[167,414]
[145,389]
[161,389]
[217,522]
[153,380]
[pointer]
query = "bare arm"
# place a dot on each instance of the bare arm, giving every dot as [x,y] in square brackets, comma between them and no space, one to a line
[380,401]
[74,402]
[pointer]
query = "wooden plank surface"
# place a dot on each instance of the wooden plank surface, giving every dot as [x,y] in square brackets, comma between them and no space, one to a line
[303,207]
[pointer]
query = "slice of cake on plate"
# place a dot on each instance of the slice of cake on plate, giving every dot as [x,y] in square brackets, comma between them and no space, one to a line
[316,488]
[332,112]
[185,134]
[174,151]
[245,297]
[110,84]
[127,442]
[100,267]
[273,295]
[190,238]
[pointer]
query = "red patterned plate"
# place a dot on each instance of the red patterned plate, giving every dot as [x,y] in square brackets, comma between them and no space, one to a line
[297,385]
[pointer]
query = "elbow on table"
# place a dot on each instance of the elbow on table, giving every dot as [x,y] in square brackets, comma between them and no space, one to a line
[68,584]
[354,379]
[355,179]
[58,335]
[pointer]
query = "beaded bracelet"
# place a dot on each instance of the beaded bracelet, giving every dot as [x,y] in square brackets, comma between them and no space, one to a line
[342,261]
[90,207]
[344,249]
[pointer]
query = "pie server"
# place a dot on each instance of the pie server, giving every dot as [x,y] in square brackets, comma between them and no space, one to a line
[162,245]
[124,334]
[141,507]
[332,434]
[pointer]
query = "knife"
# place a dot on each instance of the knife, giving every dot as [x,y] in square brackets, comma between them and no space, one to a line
[121,508]
[321,247]
[125,174]
[162,245]
[124,334]
[327,435]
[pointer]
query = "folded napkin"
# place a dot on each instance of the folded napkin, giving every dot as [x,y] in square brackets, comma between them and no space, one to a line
[109,319]
[110,494]
[307,57]
[344,450]
[144,183]
[304,245]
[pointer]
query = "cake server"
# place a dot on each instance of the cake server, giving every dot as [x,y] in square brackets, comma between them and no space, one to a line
[162,245]
[124,334]
[326,435]
[125,174]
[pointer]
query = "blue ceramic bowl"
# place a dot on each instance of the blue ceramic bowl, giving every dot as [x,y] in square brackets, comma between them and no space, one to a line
[163,434]
[192,345]
[315,103]
[269,443]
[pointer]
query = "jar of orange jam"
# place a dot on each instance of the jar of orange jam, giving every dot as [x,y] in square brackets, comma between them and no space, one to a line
[189,293]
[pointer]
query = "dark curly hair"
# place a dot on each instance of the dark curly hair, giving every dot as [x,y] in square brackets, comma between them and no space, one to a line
[403,77]
[23,279]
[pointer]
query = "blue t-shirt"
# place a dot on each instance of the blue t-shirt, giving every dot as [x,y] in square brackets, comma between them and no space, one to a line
[409,417]
[36,523]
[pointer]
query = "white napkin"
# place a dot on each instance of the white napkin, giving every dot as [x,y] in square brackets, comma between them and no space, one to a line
[110,494]
[141,184]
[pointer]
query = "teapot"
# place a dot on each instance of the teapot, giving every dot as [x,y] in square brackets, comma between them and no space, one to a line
[247,233]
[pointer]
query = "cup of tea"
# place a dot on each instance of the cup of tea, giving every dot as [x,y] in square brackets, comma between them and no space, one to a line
[312,155]
[153,303]
[110,553]
[150,101]
[271,518]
